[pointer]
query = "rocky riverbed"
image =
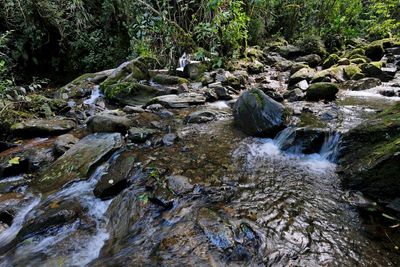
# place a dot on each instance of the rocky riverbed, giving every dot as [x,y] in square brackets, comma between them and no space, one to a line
[287,157]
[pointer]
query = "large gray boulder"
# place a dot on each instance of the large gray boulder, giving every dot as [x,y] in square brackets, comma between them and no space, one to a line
[108,123]
[257,114]
[78,162]
[41,127]
[179,101]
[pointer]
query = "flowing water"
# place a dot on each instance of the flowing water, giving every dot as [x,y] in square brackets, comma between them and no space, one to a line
[256,202]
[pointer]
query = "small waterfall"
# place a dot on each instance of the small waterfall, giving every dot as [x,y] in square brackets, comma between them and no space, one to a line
[96,94]
[183,61]
[331,147]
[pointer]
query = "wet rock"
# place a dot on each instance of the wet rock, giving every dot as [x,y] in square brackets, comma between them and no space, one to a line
[332,60]
[343,62]
[312,60]
[290,51]
[164,114]
[322,91]
[331,74]
[390,72]
[169,80]
[130,93]
[37,127]
[179,184]
[132,109]
[140,135]
[78,162]
[116,178]
[363,84]
[304,140]
[374,69]
[201,116]
[222,93]
[272,58]
[207,79]
[257,114]
[255,67]
[216,230]
[294,95]
[352,72]
[48,216]
[303,74]
[375,51]
[169,139]
[226,78]
[108,123]
[284,65]
[371,153]
[297,66]
[195,70]
[275,96]
[179,101]
[64,143]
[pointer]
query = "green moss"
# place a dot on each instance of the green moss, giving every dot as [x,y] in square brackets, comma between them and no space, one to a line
[259,95]
[169,80]
[129,93]
[358,60]
[331,60]
[352,72]
[310,120]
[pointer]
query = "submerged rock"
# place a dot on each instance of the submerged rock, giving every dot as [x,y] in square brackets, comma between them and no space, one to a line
[201,116]
[257,114]
[38,127]
[371,156]
[322,91]
[78,162]
[179,184]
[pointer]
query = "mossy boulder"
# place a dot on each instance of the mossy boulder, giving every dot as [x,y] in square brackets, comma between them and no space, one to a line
[335,73]
[164,79]
[353,72]
[358,52]
[330,61]
[362,84]
[358,60]
[195,70]
[374,69]
[322,91]
[130,93]
[303,74]
[257,114]
[371,156]
[375,51]
[289,51]
[78,162]
[131,71]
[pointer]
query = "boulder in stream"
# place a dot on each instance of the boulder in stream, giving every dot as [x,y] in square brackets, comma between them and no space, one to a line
[371,156]
[108,123]
[42,127]
[259,115]
[322,91]
[78,162]
[179,101]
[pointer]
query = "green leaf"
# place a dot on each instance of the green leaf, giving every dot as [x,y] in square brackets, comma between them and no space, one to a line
[14,161]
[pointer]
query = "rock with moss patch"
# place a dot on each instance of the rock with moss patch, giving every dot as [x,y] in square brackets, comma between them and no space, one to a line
[352,72]
[371,156]
[63,143]
[358,60]
[259,115]
[42,127]
[332,60]
[78,162]
[312,60]
[375,51]
[130,93]
[333,73]
[322,91]
[164,79]
[303,74]
[195,70]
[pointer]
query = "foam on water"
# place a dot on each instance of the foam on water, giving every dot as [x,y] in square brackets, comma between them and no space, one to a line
[219,105]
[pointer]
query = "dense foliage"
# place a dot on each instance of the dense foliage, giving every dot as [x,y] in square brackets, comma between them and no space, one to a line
[61,38]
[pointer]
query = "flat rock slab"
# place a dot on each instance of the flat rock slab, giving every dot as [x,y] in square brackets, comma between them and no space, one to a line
[37,127]
[78,162]
[179,101]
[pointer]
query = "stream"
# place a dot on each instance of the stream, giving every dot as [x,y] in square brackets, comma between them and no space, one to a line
[254,202]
